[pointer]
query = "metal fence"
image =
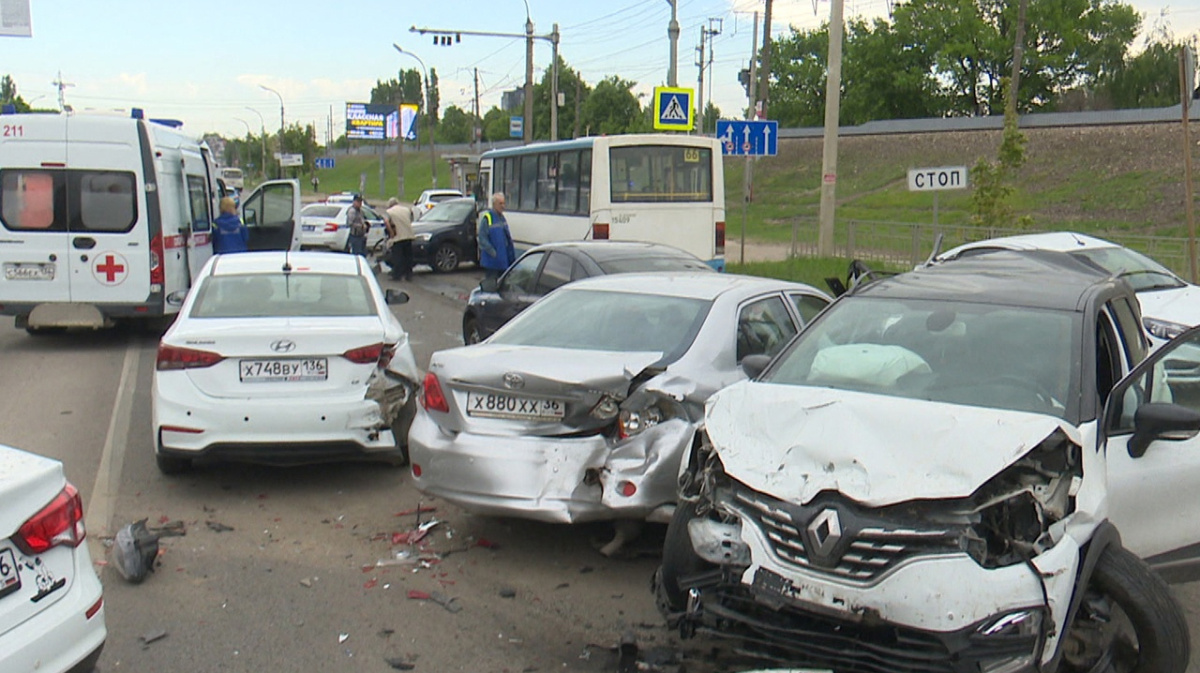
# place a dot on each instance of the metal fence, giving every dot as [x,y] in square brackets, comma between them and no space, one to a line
[904,244]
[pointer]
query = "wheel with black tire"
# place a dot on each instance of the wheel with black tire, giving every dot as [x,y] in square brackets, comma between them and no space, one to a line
[472,334]
[679,559]
[446,257]
[1128,622]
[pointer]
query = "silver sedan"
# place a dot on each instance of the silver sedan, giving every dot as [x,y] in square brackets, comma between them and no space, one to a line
[580,409]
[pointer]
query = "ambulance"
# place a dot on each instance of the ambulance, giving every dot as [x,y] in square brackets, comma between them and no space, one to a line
[109,218]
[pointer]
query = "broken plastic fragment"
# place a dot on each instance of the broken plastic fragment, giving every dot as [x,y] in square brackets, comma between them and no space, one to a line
[342,637]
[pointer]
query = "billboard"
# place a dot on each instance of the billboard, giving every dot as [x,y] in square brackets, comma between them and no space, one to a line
[14,18]
[368,121]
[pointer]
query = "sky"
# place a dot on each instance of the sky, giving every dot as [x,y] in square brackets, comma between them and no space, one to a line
[205,62]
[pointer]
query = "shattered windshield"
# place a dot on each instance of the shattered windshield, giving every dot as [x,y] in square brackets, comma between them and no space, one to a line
[608,321]
[1137,269]
[1020,359]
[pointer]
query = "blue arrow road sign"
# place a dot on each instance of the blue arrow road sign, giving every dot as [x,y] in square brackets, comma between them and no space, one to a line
[324,162]
[749,138]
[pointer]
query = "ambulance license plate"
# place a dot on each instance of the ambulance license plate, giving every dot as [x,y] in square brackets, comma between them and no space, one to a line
[10,575]
[308,227]
[288,371]
[28,271]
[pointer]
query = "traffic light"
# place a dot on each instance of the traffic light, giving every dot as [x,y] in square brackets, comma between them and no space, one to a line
[744,78]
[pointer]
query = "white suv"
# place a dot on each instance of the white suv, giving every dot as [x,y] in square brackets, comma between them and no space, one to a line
[431,197]
[969,467]
[51,602]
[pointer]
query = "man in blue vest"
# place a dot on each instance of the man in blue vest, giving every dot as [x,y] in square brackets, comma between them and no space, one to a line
[496,252]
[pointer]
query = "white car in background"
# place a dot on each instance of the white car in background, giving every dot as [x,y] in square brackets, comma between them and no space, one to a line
[284,358]
[51,602]
[1170,304]
[430,198]
[323,227]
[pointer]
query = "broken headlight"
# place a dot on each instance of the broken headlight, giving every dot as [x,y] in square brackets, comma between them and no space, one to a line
[1012,514]
[1019,634]
[1163,329]
[643,411]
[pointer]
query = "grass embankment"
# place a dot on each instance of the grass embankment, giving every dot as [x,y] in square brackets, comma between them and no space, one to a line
[348,170]
[1112,179]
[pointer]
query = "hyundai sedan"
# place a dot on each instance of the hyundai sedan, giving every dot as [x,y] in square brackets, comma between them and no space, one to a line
[581,407]
[51,602]
[284,358]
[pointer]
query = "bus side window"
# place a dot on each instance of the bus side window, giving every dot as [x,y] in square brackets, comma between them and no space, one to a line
[529,174]
[568,182]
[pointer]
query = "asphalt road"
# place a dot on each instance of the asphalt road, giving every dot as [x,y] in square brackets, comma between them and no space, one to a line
[279,569]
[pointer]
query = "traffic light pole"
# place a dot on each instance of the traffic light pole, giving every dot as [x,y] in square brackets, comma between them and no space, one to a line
[529,37]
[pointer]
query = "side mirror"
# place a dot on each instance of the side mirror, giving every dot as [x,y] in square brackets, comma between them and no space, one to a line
[753,365]
[250,217]
[395,297]
[490,285]
[1159,420]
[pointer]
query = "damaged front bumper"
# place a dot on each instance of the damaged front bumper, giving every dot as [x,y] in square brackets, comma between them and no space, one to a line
[553,479]
[942,612]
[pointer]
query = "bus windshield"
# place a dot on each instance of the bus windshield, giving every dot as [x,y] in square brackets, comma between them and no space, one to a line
[661,174]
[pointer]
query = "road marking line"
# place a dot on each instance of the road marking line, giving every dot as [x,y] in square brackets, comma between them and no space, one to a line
[108,476]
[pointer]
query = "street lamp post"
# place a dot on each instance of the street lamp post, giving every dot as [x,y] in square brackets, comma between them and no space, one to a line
[262,126]
[428,113]
[279,172]
[673,34]
[249,133]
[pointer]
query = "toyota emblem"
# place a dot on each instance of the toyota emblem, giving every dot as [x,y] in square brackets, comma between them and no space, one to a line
[283,346]
[513,381]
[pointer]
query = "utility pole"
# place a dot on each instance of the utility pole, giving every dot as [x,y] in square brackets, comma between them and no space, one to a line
[578,103]
[475,131]
[700,82]
[62,88]
[673,34]
[764,84]
[1186,76]
[400,150]
[748,174]
[833,100]
[710,33]
[527,123]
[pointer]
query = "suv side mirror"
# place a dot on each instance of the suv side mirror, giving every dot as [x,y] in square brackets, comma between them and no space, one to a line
[1159,420]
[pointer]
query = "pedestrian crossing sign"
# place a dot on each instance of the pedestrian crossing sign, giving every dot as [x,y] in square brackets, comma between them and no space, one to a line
[673,109]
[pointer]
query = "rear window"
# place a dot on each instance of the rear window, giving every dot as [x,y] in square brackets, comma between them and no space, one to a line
[320,211]
[278,296]
[608,321]
[657,263]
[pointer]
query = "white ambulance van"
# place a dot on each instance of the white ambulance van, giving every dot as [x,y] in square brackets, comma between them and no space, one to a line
[106,218]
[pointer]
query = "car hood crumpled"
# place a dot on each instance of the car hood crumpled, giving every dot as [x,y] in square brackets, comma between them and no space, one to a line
[1177,305]
[793,442]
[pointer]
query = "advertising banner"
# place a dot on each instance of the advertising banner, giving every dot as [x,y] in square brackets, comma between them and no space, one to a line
[367,121]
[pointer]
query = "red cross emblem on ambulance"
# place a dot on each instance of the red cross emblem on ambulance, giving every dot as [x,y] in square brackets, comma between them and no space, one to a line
[110,268]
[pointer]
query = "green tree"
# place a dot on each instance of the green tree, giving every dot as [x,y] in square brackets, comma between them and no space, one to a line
[1149,79]
[798,78]
[570,84]
[405,89]
[495,125]
[432,96]
[611,108]
[457,126]
[9,95]
[711,114]
[1069,43]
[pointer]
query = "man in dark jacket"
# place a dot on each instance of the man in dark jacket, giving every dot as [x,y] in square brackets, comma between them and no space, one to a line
[496,251]
[229,234]
[357,242]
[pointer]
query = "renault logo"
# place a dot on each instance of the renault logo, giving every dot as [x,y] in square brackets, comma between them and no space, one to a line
[283,346]
[513,381]
[825,531]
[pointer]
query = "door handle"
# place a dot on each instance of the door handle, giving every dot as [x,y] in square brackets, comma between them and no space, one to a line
[83,242]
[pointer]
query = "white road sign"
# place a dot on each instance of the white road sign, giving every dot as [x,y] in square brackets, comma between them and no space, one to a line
[286,160]
[936,179]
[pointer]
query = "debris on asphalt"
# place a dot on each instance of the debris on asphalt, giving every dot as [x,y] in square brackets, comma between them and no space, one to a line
[343,637]
[508,592]
[218,527]
[450,603]
[627,653]
[135,548]
[416,510]
[151,636]
[399,664]
[306,583]
[416,535]
[417,595]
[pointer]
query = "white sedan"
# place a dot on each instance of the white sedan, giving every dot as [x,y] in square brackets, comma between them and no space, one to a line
[284,358]
[51,602]
[323,227]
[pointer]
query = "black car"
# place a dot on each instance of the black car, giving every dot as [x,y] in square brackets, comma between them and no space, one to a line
[445,236]
[545,267]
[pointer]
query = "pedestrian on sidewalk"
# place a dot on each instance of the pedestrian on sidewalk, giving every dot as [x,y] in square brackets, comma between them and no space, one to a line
[398,220]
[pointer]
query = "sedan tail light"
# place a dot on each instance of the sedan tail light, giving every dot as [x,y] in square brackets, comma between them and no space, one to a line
[174,357]
[59,523]
[432,397]
[331,227]
[380,354]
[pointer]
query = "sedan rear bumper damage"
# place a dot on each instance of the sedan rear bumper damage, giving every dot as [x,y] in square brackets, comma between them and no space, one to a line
[552,479]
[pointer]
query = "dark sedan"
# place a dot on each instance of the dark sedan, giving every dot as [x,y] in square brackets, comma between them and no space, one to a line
[546,267]
[445,237]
